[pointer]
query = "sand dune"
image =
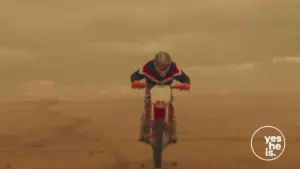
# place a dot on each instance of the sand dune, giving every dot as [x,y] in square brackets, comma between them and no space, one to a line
[214,133]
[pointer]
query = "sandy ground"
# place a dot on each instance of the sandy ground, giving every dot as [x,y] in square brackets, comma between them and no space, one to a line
[214,133]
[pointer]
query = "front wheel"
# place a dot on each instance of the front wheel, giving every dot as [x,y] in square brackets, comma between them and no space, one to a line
[158,146]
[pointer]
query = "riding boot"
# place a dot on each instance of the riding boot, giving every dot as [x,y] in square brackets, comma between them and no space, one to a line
[172,124]
[145,126]
[173,131]
[144,129]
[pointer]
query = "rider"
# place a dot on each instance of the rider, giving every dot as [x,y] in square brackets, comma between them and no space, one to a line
[161,70]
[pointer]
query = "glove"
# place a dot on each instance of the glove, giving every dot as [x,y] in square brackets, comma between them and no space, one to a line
[185,86]
[138,85]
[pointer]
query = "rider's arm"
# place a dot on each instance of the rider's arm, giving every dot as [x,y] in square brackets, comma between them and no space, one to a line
[136,76]
[183,78]
[180,75]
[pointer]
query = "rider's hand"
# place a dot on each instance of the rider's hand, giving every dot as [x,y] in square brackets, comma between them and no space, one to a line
[133,84]
[185,86]
[137,85]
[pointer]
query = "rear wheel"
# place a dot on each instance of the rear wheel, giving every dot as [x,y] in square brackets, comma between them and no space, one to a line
[159,143]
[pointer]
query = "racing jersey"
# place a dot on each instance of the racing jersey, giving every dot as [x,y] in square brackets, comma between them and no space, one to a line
[153,77]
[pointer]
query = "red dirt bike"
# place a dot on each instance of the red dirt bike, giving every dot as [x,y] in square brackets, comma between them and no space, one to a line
[161,97]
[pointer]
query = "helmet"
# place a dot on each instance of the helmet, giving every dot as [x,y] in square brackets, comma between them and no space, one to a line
[162,61]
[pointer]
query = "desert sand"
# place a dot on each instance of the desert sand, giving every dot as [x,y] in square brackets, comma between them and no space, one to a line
[214,133]
[75,50]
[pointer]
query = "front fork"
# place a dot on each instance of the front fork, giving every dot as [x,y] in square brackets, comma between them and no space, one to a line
[168,116]
[149,113]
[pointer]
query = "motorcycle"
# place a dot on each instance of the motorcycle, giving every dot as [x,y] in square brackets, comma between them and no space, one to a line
[161,98]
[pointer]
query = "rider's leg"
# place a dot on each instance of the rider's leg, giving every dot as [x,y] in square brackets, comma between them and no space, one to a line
[144,129]
[172,120]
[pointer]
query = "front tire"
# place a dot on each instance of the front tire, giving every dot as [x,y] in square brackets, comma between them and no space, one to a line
[159,143]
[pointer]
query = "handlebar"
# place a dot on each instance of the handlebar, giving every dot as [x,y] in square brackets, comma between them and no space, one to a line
[141,85]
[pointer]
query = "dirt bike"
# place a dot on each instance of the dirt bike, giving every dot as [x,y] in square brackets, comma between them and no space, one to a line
[161,97]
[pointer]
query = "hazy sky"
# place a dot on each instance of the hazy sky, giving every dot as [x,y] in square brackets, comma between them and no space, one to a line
[86,49]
